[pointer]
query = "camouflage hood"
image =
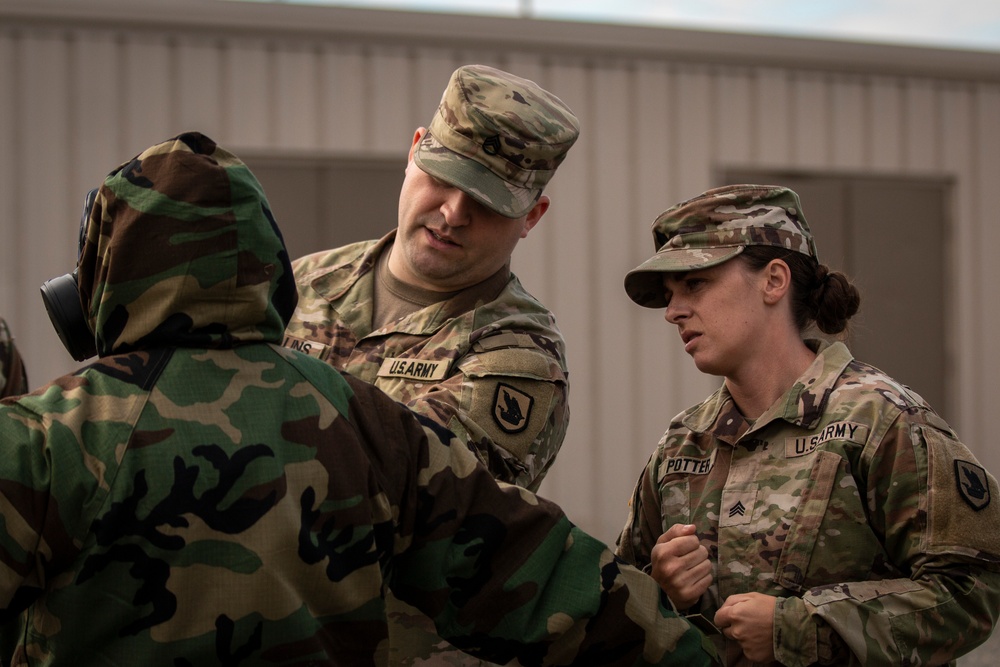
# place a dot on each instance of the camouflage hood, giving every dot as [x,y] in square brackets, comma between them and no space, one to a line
[181,250]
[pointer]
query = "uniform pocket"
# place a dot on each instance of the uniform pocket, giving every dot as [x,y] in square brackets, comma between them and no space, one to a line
[800,543]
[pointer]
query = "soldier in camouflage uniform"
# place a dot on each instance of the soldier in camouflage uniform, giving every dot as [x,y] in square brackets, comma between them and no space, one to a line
[13,377]
[431,313]
[816,509]
[201,495]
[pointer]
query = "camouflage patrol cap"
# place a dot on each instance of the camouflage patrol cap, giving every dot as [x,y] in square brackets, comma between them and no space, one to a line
[714,227]
[498,138]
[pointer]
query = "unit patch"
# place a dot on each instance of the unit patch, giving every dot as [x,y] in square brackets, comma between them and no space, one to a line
[419,370]
[973,484]
[511,408]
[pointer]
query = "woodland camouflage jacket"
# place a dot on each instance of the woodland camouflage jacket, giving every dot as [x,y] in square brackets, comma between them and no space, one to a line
[200,495]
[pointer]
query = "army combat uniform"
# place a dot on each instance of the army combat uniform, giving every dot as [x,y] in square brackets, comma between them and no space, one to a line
[487,361]
[13,376]
[201,495]
[491,371]
[850,500]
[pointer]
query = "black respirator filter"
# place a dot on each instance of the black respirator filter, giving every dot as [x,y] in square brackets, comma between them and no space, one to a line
[61,297]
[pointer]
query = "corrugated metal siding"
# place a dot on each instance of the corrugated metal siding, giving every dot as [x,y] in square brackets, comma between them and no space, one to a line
[75,100]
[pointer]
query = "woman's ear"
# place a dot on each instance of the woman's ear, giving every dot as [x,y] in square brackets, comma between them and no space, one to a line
[777,281]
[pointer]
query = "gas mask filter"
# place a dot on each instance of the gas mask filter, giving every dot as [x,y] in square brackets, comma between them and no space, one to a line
[62,300]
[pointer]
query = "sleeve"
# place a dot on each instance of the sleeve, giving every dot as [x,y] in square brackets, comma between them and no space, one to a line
[645,523]
[506,576]
[935,510]
[29,537]
[509,402]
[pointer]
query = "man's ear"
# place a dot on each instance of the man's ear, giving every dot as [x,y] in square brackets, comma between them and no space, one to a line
[535,214]
[417,136]
[777,281]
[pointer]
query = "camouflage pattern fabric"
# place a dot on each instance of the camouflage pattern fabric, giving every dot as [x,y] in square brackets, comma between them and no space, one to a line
[468,366]
[714,227]
[13,375]
[851,501]
[200,495]
[497,137]
[494,373]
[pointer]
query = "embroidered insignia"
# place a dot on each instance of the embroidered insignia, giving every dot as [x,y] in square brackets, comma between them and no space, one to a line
[973,485]
[511,408]
[849,431]
[738,508]
[310,347]
[416,370]
[687,465]
[492,145]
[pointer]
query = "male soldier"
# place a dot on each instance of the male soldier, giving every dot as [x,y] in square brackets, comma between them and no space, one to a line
[201,495]
[431,313]
[13,378]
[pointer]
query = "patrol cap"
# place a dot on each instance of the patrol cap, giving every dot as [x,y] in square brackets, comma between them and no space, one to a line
[498,138]
[714,227]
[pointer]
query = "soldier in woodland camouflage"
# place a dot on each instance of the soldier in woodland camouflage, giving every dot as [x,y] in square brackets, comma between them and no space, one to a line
[431,313]
[13,377]
[201,495]
[817,510]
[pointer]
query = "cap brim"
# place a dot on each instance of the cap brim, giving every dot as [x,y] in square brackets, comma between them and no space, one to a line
[644,283]
[474,179]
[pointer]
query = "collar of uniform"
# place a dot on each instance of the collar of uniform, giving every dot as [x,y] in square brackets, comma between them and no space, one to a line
[803,404]
[349,287]
[333,283]
[717,415]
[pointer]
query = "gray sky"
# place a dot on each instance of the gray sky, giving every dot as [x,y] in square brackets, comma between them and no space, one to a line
[964,24]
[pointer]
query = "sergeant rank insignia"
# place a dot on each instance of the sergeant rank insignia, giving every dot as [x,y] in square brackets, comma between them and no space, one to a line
[973,484]
[511,408]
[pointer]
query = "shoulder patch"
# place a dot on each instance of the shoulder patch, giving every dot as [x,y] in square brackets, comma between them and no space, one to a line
[973,484]
[511,408]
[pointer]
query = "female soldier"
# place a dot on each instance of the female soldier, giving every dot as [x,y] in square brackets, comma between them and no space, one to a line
[816,509]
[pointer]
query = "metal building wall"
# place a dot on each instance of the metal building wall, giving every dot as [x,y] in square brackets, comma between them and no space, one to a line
[79,93]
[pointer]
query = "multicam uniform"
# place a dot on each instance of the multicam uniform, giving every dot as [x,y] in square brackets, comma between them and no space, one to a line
[493,372]
[13,378]
[491,367]
[201,495]
[849,499]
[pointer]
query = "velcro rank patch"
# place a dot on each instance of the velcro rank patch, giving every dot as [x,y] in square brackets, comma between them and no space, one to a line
[737,506]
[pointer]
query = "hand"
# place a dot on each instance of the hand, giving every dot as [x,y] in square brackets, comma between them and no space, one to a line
[748,618]
[681,566]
